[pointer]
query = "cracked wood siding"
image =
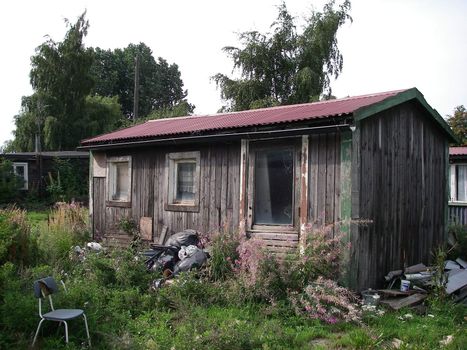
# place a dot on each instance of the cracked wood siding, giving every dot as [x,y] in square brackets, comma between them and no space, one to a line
[218,185]
[402,190]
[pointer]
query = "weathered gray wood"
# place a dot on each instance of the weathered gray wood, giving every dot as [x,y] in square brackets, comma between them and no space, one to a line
[399,303]
[98,215]
[401,174]
[163,234]
[278,236]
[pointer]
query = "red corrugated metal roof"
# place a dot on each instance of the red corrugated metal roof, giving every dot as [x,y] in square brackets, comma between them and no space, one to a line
[250,118]
[458,151]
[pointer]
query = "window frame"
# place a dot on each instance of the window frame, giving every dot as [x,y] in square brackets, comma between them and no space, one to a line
[262,146]
[172,161]
[111,182]
[25,176]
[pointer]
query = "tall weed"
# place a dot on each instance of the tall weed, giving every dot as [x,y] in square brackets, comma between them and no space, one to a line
[17,244]
[66,227]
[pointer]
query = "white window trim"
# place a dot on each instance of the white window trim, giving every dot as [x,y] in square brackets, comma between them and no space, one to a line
[171,165]
[454,183]
[111,184]
[25,177]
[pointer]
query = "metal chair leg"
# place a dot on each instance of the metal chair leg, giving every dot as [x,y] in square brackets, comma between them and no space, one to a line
[37,331]
[87,329]
[66,332]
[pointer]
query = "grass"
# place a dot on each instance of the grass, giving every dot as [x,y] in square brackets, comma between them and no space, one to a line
[193,313]
[37,217]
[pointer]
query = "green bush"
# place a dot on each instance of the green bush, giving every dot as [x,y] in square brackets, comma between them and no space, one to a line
[9,182]
[223,254]
[460,233]
[17,244]
[67,182]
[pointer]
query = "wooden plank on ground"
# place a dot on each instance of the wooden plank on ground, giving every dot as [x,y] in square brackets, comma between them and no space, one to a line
[399,303]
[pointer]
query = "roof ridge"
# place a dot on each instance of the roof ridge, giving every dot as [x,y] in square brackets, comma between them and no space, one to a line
[280,107]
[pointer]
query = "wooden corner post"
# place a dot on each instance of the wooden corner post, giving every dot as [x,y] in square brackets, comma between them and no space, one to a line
[243,186]
[303,217]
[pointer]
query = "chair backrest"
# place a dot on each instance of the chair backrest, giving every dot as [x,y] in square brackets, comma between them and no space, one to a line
[45,286]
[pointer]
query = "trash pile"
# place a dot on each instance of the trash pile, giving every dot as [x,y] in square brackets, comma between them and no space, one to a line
[80,252]
[180,253]
[409,287]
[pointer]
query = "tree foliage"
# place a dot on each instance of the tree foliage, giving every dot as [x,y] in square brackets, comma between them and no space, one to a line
[161,85]
[458,124]
[80,92]
[285,66]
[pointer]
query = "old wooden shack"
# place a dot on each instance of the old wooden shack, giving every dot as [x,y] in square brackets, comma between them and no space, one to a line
[379,159]
[35,167]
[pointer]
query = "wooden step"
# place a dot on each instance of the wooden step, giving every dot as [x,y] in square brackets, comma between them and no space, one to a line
[279,243]
[117,240]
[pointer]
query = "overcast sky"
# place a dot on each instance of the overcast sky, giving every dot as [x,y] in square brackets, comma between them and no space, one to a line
[391,44]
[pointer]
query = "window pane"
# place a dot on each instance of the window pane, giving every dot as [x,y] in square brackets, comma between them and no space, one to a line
[274,178]
[461,183]
[121,181]
[185,181]
[19,170]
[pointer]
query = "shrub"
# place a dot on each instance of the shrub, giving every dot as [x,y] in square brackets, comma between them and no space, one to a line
[324,300]
[460,234]
[323,253]
[9,182]
[223,252]
[16,242]
[66,227]
[68,183]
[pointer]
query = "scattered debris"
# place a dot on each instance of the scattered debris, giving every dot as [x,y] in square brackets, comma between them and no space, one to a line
[399,303]
[94,246]
[179,254]
[462,263]
[397,343]
[370,297]
[418,279]
[446,340]
[456,280]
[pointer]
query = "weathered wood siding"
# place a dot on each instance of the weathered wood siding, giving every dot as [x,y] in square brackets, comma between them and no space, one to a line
[324,178]
[219,190]
[98,213]
[457,214]
[402,190]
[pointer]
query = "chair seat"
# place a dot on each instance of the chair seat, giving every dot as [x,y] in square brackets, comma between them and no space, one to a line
[63,314]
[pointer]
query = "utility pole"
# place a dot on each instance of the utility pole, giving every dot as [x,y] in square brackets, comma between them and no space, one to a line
[136,90]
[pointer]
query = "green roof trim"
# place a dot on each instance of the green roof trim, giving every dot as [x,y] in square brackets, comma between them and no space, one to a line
[404,96]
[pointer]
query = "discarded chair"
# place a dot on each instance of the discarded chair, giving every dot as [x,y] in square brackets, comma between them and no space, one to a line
[45,287]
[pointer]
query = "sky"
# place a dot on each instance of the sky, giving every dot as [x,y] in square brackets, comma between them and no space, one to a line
[390,45]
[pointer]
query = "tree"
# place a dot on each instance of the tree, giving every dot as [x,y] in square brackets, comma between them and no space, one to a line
[60,110]
[161,86]
[458,124]
[285,67]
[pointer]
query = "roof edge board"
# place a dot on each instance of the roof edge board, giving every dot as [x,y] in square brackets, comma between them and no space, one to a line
[410,94]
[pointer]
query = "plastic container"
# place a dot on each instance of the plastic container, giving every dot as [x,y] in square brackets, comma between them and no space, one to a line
[370,297]
[405,285]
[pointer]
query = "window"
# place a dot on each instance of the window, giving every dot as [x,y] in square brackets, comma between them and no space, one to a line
[183,181]
[119,181]
[458,182]
[271,187]
[273,184]
[21,170]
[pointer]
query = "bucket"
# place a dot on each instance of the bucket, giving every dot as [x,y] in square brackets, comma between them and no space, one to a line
[405,285]
[370,297]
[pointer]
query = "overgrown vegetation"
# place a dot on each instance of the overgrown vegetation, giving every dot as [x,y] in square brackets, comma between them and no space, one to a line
[9,182]
[244,298]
